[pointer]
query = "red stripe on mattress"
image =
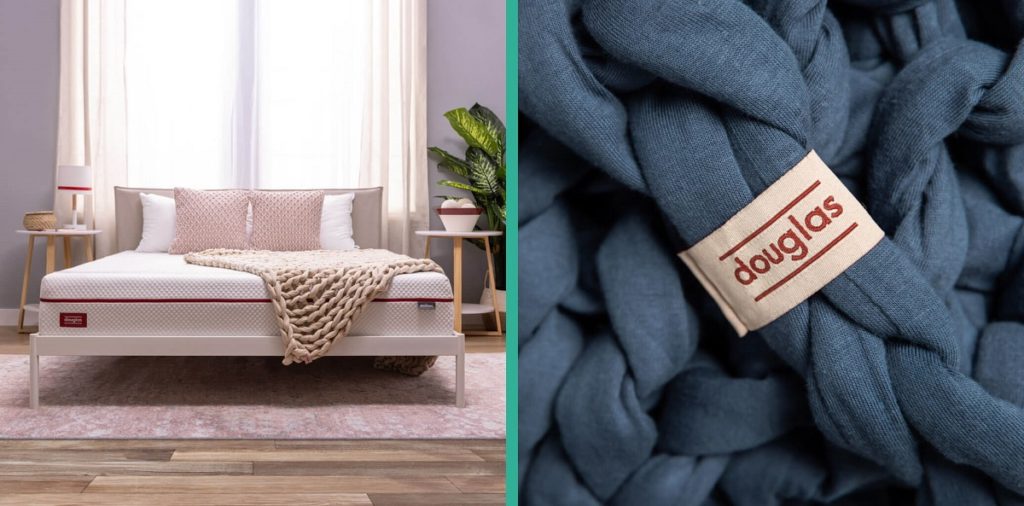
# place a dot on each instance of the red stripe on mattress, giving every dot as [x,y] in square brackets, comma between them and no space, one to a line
[200,301]
[412,300]
[130,301]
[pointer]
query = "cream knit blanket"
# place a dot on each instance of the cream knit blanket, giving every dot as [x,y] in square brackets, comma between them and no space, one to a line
[318,294]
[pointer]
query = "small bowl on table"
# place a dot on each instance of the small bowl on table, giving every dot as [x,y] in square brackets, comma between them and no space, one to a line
[40,220]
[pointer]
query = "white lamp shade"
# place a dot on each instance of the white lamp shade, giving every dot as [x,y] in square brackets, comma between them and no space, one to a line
[74,178]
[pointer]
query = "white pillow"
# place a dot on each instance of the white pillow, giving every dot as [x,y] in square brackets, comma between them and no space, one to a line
[157,223]
[336,222]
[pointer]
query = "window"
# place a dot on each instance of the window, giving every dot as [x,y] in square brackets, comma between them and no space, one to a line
[246,94]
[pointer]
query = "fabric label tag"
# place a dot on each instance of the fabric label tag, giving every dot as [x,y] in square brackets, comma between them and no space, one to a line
[799,234]
[73,320]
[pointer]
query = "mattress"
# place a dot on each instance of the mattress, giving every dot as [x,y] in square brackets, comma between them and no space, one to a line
[158,294]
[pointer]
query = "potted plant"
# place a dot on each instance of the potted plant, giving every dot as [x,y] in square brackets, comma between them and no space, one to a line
[481,173]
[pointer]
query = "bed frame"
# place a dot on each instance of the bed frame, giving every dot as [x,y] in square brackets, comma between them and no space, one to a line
[366,220]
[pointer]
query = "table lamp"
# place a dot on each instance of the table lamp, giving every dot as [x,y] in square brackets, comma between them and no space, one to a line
[74,180]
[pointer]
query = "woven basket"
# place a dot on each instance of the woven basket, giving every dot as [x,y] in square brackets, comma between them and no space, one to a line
[40,220]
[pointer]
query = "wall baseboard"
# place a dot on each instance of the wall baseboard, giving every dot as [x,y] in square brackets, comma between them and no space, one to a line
[9,317]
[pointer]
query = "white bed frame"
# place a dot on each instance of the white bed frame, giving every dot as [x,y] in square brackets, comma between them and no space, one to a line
[129,217]
[239,346]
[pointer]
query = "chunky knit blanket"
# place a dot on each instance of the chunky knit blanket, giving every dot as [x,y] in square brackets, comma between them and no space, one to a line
[646,125]
[318,294]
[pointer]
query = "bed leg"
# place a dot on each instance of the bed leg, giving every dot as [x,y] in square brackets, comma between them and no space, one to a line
[33,378]
[460,379]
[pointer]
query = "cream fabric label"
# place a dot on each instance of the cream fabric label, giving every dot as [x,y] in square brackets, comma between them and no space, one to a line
[799,234]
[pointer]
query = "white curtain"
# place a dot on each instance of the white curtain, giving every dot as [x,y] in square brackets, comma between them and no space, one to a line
[91,115]
[394,118]
[250,94]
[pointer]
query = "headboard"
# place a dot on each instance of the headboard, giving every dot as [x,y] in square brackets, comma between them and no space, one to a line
[366,214]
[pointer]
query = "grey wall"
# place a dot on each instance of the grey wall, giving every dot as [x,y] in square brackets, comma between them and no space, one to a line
[29,77]
[465,64]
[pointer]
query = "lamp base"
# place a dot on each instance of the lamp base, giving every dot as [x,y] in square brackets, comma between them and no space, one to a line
[74,226]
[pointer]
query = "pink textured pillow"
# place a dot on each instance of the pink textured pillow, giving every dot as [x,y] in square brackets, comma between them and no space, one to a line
[209,219]
[286,221]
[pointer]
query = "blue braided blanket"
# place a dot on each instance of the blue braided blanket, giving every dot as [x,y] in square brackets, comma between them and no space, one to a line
[646,125]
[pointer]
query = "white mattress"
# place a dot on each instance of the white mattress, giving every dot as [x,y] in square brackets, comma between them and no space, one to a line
[158,294]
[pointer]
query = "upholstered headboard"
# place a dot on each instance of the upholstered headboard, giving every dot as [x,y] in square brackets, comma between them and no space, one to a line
[366,214]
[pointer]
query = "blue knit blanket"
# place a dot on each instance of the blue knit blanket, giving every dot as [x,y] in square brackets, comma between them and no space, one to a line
[646,125]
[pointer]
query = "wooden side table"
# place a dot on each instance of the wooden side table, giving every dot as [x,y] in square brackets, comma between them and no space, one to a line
[51,254]
[461,308]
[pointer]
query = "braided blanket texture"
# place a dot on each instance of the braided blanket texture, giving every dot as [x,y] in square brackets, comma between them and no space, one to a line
[646,124]
[318,294]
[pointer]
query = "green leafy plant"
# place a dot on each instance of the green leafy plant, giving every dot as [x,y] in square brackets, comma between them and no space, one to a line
[481,171]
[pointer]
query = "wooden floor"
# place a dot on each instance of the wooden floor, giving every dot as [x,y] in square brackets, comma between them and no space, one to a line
[157,472]
[13,343]
[251,472]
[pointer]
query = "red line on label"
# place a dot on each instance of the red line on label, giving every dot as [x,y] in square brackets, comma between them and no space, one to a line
[75,188]
[806,264]
[773,219]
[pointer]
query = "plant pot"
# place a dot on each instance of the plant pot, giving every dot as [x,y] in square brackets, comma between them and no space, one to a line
[459,219]
[485,298]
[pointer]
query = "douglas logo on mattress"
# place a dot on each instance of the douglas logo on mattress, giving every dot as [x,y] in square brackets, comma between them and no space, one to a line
[73,320]
[796,236]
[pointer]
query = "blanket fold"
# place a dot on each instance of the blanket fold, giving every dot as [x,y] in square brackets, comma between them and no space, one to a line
[681,112]
[318,294]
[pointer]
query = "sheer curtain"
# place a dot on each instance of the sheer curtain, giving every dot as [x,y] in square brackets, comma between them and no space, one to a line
[92,126]
[250,94]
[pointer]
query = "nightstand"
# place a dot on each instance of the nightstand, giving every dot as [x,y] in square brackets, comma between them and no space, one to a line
[461,308]
[51,254]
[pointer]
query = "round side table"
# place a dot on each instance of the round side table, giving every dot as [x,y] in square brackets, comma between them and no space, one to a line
[461,308]
[51,254]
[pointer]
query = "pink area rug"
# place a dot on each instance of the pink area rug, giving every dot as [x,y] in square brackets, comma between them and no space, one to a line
[249,397]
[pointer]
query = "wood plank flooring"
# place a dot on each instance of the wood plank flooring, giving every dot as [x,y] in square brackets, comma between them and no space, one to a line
[251,472]
[13,343]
